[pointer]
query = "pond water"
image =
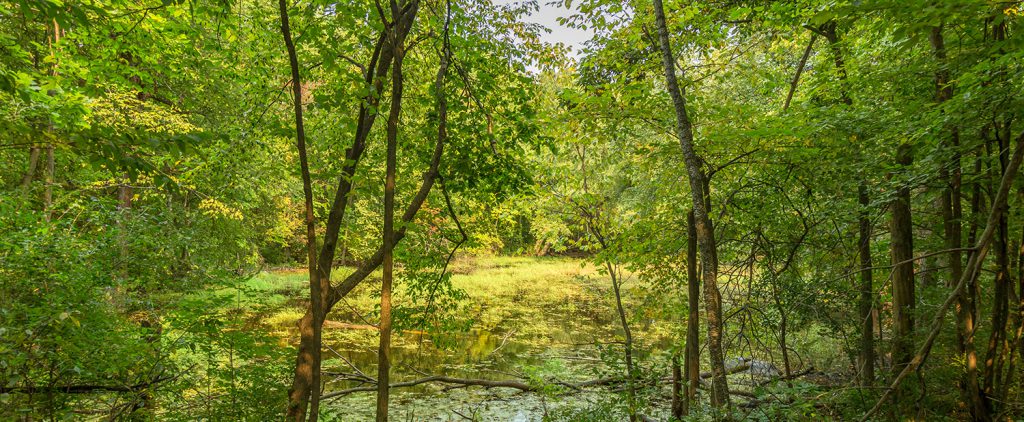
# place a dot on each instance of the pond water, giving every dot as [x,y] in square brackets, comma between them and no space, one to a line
[479,354]
[541,319]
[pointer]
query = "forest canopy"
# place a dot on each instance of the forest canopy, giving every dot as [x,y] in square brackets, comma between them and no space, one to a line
[429,210]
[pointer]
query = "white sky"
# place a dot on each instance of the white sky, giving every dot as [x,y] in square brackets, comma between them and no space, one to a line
[546,16]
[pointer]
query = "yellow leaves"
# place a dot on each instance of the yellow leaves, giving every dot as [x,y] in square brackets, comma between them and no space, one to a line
[123,112]
[214,208]
[287,223]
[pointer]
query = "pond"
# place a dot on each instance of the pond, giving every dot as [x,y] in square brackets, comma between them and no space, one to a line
[532,318]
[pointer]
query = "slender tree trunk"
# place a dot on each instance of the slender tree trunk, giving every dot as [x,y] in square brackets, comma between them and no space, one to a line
[48,178]
[903,273]
[799,71]
[693,321]
[981,408]
[679,405]
[865,305]
[33,163]
[952,214]
[384,351]
[1000,300]
[628,338]
[705,228]
[315,295]
[594,227]
[866,301]
[783,328]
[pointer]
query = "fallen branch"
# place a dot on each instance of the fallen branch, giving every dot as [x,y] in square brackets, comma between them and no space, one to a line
[729,371]
[452,382]
[466,382]
[84,388]
[794,375]
[744,394]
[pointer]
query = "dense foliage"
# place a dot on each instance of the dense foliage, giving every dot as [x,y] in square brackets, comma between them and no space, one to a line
[851,166]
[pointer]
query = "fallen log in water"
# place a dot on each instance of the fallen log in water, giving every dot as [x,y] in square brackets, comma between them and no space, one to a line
[452,382]
[471,382]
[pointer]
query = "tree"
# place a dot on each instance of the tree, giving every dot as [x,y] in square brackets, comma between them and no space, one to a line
[705,229]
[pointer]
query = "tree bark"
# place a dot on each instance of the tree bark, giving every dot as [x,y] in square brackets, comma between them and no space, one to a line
[799,71]
[314,330]
[952,215]
[980,406]
[693,320]
[865,304]
[1000,300]
[33,163]
[901,229]
[628,340]
[380,63]
[48,178]
[384,351]
[705,229]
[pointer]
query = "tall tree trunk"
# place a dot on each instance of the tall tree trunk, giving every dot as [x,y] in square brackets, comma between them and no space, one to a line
[384,351]
[903,272]
[866,301]
[693,321]
[952,214]
[313,330]
[865,304]
[980,406]
[1000,300]
[302,381]
[705,229]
